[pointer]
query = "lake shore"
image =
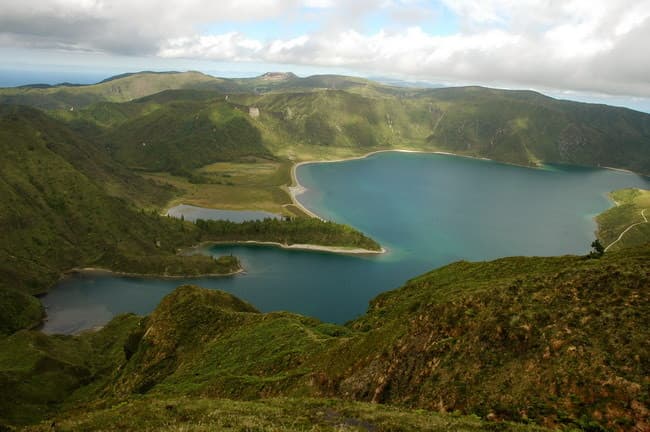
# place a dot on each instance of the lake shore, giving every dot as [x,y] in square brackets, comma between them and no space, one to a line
[102,270]
[296,246]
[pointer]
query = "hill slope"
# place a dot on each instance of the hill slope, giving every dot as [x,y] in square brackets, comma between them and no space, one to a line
[524,128]
[67,204]
[626,224]
[556,341]
[117,89]
[329,115]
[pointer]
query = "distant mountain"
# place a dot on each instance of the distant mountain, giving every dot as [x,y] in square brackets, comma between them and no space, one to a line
[121,88]
[278,76]
[355,114]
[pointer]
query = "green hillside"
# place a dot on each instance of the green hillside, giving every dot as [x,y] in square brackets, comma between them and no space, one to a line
[131,86]
[68,203]
[277,414]
[119,89]
[626,224]
[328,116]
[550,341]
[524,128]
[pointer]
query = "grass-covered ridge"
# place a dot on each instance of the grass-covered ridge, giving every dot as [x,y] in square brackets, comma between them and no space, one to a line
[625,224]
[553,341]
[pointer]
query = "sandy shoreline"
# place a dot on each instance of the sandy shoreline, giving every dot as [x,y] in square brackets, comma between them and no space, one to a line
[296,246]
[621,170]
[101,270]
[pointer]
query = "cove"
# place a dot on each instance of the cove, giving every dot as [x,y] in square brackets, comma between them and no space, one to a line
[428,210]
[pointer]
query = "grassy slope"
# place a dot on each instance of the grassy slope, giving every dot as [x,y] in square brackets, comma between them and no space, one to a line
[516,127]
[550,340]
[330,115]
[252,185]
[65,205]
[525,127]
[611,223]
[38,372]
[277,414]
[115,90]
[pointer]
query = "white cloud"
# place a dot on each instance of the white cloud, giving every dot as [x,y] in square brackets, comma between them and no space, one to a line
[583,45]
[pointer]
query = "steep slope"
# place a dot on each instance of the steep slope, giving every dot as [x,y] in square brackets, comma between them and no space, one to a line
[174,130]
[185,134]
[66,204]
[518,127]
[330,115]
[558,340]
[555,341]
[626,224]
[526,127]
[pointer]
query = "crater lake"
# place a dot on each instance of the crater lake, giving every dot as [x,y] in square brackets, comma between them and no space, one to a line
[427,210]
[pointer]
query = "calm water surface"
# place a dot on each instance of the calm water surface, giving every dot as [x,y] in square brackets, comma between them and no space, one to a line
[192,213]
[428,210]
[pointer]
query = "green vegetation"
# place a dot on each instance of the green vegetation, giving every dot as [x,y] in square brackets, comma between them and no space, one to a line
[182,135]
[69,204]
[39,372]
[552,341]
[276,414]
[627,220]
[258,184]
[18,310]
[119,89]
[172,265]
[597,249]
[292,231]
[328,115]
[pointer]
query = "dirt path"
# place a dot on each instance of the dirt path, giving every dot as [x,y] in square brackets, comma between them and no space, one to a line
[645,220]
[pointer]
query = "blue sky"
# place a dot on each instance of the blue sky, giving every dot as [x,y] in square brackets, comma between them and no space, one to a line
[585,50]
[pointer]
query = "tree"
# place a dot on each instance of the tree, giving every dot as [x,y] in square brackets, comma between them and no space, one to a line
[597,249]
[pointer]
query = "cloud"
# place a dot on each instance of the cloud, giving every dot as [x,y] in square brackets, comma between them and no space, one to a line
[123,26]
[579,45]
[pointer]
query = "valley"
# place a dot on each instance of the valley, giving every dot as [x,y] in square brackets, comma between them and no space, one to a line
[515,324]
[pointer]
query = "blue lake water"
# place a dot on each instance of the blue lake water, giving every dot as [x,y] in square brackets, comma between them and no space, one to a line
[192,213]
[427,210]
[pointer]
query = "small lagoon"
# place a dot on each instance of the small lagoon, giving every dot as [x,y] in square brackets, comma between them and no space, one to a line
[428,210]
[193,213]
